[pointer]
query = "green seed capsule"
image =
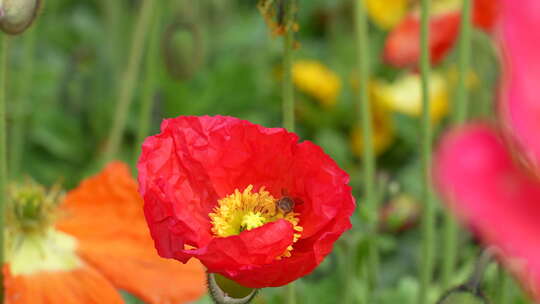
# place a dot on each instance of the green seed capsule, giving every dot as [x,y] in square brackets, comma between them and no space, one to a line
[17,15]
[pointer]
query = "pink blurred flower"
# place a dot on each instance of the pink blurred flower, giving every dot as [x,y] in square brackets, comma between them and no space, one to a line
[492,175]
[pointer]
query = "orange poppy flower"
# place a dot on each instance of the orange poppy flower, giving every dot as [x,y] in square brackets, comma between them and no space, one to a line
[98,243]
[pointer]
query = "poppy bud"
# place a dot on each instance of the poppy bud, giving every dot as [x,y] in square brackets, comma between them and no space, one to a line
[225,291]
[183,57]
[17,15]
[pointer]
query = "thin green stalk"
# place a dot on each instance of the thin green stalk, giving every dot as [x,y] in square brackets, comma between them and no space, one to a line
[428,216]
[288,87]
[460,114]
[113,17]
[291,294]
[150,84]
[3,161]
[504,293]
[129,79]
[17,140]
[363,107]
[463,63]
[288,93]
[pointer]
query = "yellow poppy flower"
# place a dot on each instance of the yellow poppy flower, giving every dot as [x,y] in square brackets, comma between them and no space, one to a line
[386,13]
[405,95]
[316,80]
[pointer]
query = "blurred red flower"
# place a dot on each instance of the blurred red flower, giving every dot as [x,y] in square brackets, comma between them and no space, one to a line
[402,48]
[491,176]
[211,187]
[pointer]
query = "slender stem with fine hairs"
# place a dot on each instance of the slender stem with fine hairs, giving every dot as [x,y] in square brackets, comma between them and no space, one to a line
[128,80]
[288,93]
[363,108]
[288,49]
[463,63]
[504,286]
[24,83]
[481,265]
[3,161]
[428,216]
[150,84]
[460,114]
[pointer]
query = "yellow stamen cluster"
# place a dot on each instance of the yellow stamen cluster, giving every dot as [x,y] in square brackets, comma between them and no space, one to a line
[248,210]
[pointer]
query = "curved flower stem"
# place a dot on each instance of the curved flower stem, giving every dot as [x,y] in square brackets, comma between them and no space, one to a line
[460,114]
[288,86]
[463,63]
[428,217]
[288,92]
[483,262]
[17,135]
[504,286]
[150,84]
[3,162]
[113,19]
[128,80]
[363,107]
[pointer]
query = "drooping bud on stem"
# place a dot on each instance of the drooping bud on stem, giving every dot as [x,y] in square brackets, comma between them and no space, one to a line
[225,291]
[183,49]
[17,15]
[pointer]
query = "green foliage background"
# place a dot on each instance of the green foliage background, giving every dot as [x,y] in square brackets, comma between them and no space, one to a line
[64,78]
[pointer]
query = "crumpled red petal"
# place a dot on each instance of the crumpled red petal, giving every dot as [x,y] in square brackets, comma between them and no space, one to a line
[492,194]
[194,161]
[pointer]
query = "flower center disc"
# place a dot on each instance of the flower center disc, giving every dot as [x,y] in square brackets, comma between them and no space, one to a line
[248,210]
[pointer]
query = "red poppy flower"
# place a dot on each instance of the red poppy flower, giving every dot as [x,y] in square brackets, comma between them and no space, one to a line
[98,242]
[402,48]
[211,187]
[481,169]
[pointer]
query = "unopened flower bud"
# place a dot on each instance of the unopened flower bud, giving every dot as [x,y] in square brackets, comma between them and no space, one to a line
[17,15]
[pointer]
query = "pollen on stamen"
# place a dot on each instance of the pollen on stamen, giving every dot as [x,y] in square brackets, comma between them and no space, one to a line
[248,210]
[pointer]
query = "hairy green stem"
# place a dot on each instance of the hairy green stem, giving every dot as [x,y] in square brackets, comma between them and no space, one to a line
[463,64]
[460,114]
[288,86]
[3,161]
[363,108]
[288,93]
[113,18]
[485,259]
[504,293]
[428,216]
[127,84]
[151,80]
[17,140]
